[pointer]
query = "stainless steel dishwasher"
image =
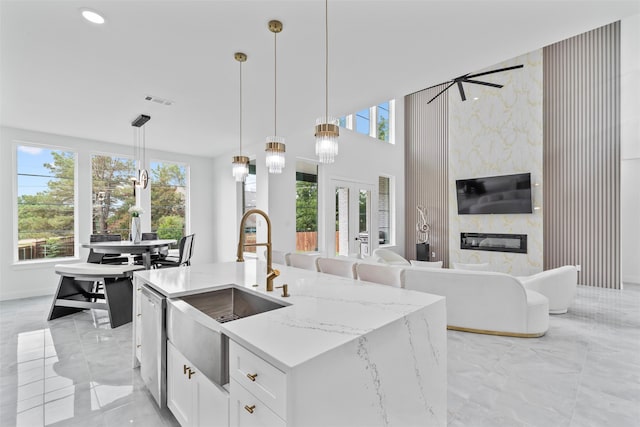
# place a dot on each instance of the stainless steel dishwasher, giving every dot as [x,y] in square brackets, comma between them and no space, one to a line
[153,344]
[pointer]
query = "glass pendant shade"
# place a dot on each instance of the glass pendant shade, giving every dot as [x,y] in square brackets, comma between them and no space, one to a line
[275,150]
[240,168]
[327,132]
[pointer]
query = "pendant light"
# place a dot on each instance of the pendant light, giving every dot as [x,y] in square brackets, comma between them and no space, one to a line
[140,152]
[240,162]
[275,147]
[327,129]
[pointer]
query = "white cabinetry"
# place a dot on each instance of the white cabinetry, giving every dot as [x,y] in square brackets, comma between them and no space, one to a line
[258,390]
[191,397]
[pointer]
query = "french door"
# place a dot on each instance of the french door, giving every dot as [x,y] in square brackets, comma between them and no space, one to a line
[353,224]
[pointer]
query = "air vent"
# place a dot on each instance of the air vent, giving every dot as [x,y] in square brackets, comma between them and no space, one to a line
[158,100]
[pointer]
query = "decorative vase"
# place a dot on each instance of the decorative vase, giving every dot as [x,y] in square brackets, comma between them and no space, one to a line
[136,234]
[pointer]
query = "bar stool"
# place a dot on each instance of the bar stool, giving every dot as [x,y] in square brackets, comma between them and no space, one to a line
[76,290]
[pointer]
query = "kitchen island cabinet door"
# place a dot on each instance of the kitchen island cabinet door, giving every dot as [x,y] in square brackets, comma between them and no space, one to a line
[212,404]
[179,386]
[192,398]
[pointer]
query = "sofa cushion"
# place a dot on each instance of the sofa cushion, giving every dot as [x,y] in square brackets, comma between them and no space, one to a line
[472,267]
[426,264]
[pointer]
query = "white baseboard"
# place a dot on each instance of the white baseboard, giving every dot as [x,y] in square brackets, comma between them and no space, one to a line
[27,294]
[631,279]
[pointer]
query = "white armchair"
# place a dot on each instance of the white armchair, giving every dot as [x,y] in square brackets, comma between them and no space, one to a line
[558,284]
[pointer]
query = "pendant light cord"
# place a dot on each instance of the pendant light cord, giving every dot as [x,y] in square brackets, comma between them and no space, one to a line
[144,148]
[275,84]
[326,60]
[240,62]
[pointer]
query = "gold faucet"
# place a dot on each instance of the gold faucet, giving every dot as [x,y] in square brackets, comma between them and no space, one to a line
[271,273]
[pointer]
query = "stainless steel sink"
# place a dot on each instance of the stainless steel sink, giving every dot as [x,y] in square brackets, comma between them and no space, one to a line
[205,346]
[230,304]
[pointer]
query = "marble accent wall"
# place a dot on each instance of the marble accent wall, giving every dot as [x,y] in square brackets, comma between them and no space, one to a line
[499,132]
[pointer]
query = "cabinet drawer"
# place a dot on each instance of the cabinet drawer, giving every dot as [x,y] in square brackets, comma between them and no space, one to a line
[248,411]
[260,378]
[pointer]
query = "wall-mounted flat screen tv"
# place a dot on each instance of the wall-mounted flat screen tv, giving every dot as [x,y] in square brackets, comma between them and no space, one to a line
[505,194]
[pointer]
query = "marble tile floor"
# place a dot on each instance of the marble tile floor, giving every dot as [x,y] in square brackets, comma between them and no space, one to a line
[584,372]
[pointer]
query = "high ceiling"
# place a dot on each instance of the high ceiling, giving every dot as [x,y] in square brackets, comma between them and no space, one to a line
[63,75]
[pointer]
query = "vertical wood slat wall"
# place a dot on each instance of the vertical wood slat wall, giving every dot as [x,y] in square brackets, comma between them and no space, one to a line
[426,170]
[581,166]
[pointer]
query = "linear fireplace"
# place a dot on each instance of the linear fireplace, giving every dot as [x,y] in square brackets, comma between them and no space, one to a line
[494,242]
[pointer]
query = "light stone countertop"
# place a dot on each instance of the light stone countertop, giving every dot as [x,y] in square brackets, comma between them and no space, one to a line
[324,311]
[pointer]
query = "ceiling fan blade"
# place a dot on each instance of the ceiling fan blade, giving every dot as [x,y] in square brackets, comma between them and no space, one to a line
[461,89]
[495,71]
[441,92]
[439,84]
[478,82]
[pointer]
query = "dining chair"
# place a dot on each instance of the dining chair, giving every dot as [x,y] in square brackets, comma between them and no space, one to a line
[160,253]
[279,257]
[184,255]
[382,274]
[338,267]
[304,261]
[98,258]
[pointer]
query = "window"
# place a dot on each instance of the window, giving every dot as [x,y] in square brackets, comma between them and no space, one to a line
[306,207]
[249,202]
[46,202]
[112,194]
[168,183]
[363,121]
[384,210]
[382,121]
[377,121]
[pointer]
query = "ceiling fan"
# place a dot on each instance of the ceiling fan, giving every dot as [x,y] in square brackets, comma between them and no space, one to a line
[467,78]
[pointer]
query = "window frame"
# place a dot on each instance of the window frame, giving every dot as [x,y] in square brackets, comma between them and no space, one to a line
[146,204]
[112,155]
[15,225]
[351,122]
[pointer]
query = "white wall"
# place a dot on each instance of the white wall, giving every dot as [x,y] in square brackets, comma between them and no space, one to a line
[361,158]
[18,280]
[500,133]
[630,149]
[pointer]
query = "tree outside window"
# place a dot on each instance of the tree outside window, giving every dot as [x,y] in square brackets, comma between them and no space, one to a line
[382,124]
[112,194]
[168,199]
[306,207]
[46,203]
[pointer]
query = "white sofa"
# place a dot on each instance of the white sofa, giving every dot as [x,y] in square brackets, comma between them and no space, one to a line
[484,302]
[558,285]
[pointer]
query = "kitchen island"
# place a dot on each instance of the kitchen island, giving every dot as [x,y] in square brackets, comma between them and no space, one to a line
[340,352]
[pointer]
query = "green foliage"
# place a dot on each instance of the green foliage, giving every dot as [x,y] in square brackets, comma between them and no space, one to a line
[112,194]
[168,196]
[170,227]
[383,129]
[306,206]
[50,212]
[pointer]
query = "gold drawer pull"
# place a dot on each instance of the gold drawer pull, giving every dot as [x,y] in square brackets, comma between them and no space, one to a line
[252,377]
[191,373]
[250,409]
[185,368]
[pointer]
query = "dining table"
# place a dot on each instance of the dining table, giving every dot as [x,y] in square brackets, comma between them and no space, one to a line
[144,248]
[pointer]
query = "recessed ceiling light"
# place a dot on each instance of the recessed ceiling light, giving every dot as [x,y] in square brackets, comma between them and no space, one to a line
[92,16]
[475,99]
